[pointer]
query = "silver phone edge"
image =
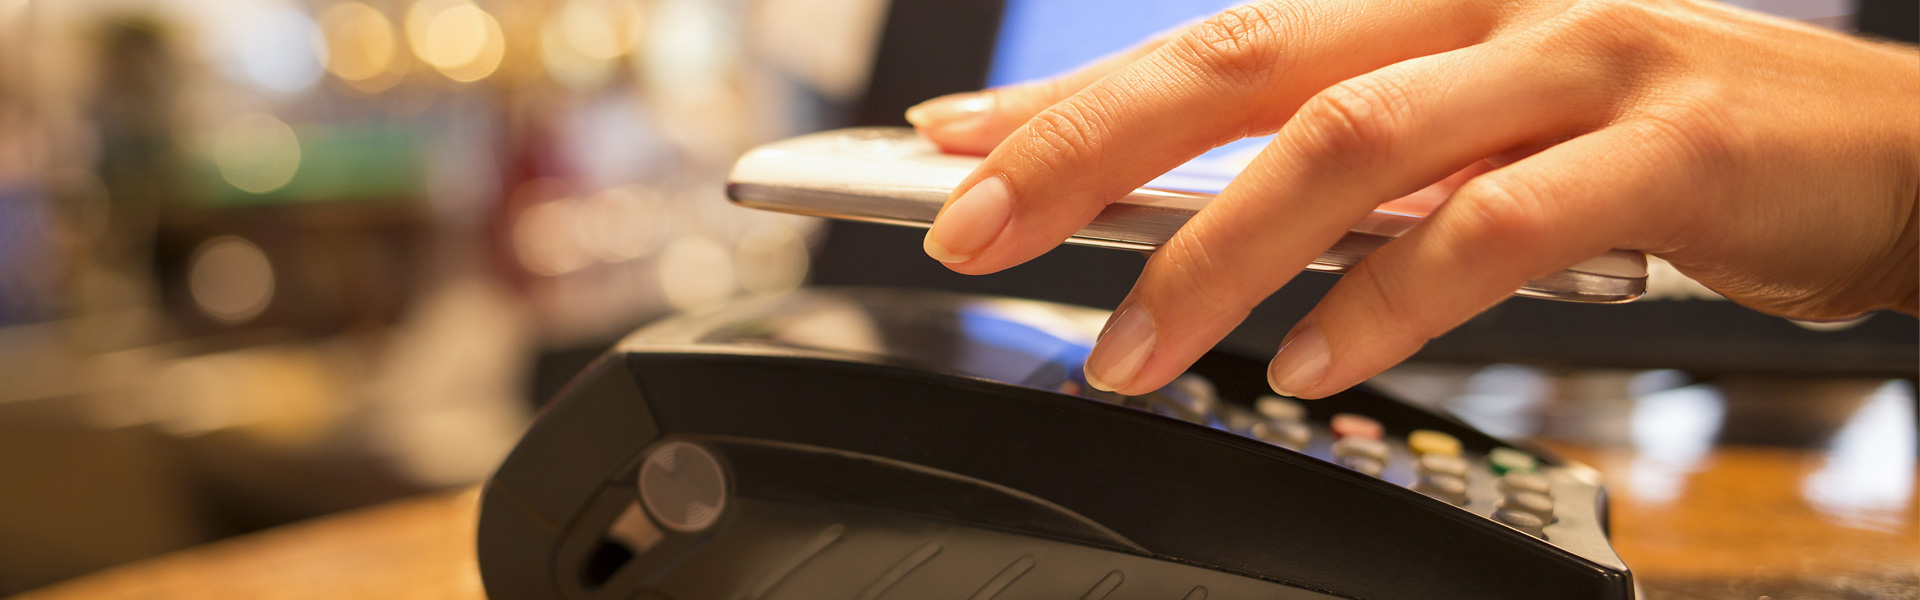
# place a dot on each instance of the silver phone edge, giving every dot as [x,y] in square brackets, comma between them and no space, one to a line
[1123,226]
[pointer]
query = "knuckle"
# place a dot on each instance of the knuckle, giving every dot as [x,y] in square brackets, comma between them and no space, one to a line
[1504,215]
[1200,278]
[1067,133]
[1240,43]
[1695,126]
[1611,15]
[1356,122]
[1617,29]
[1619,49]
[1384,295]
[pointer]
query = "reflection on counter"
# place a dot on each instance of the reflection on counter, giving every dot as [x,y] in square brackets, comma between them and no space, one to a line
[1863,429]
[1867,480]
[1811,483]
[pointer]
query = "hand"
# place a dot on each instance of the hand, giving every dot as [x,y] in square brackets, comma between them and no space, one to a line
[1774,162]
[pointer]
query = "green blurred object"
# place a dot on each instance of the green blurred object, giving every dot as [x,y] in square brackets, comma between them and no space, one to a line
[375,164]
[1508,460]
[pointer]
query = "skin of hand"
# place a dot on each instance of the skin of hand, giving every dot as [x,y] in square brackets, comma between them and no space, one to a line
[1777,163]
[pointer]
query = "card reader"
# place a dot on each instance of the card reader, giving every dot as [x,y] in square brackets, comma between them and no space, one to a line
[887,444]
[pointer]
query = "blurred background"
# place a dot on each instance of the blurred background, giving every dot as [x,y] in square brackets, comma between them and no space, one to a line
[262,260]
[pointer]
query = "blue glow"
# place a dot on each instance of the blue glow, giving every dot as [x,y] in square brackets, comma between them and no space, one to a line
[1043,38]
[1011,352]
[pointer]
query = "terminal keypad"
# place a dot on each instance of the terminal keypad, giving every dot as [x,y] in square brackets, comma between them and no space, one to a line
[1504,484]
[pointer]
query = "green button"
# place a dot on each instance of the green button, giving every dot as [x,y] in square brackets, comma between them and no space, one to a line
[1506,460]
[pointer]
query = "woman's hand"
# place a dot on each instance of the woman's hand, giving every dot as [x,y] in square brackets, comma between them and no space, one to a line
[1774,162]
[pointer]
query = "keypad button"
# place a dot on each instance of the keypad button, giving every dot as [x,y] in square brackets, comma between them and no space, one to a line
[1450,488]
[1168,409]
[1508,460]
[1443,464]
[1359,447]
[1362,464]
[1291,434]
[1528,522]
[1428,441]
[1528,502]
[1345,425]
[1526,482]
[1280,409]
[1190,397]
[1237,420]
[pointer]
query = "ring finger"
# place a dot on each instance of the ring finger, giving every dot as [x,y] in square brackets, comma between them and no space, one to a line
[1353,146]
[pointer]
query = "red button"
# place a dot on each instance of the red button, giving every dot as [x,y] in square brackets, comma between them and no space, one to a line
[1349,424]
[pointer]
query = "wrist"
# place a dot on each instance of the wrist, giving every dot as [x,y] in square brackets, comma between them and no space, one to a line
[1903,259]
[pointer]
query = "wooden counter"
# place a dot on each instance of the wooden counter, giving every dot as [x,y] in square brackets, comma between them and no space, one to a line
[1741,522]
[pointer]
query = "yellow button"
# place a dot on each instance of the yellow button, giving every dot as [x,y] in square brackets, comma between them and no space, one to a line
[1427,441]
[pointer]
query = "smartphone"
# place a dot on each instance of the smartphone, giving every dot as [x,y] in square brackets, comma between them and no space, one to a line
[890,175]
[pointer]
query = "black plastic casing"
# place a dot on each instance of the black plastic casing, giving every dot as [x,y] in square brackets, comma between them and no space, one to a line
[842,473]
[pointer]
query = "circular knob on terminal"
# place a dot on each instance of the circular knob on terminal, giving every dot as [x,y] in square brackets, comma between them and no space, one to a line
[683,486]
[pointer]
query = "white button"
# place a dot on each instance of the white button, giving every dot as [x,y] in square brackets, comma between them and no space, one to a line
[1362,464]
[1291,434]
[1443,464]
[1361,447]
[1529,502]
[1282,409]
[1450,488]
[1525,482]
[1526,522]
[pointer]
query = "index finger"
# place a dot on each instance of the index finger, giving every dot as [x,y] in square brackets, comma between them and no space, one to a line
[976,122]
[1242,72]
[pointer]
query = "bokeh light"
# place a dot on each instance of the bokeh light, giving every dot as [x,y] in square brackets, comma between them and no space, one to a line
[256,153]
[12,9]
[278,49]
[360,41]
[622,224]
[547,238]
[580,43]
[458,38]
[230,279]
[772,259]
[696,272]
[590,28]
[688,57]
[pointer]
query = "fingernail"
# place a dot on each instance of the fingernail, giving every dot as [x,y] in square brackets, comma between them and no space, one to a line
[1123,348]
[1302,362]
[966,227]
[950,110]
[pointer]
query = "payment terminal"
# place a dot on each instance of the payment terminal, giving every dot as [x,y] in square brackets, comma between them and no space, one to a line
[907,445]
